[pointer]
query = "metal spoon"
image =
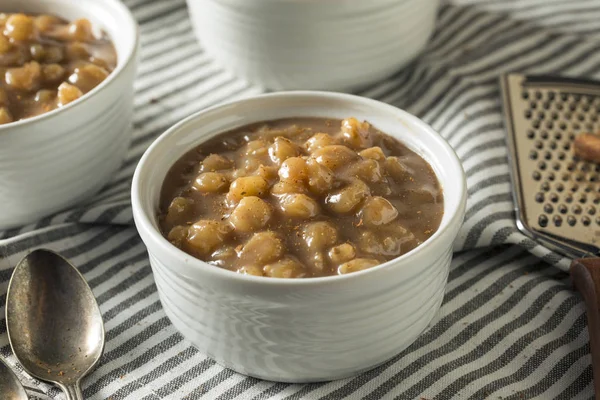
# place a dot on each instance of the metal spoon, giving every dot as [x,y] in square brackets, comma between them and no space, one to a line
[10,387]
[53,321]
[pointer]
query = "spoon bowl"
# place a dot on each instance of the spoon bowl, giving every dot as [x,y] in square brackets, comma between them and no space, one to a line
[10,387]
[53,321]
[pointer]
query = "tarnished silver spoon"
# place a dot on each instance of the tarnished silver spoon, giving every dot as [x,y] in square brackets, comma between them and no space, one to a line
[10,387]
[53,321]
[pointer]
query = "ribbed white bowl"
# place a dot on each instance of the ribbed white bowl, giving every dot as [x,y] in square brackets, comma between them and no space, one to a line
[299,330]
[60,158]
[312,44]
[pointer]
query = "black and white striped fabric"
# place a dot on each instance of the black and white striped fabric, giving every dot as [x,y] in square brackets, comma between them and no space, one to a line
[511,326]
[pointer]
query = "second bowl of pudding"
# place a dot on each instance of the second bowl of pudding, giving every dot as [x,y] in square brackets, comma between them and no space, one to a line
[358,201]
[66,102]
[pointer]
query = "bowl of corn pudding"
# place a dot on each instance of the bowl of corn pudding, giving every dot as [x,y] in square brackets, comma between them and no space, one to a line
[313,44]
[66,102]
[300,236]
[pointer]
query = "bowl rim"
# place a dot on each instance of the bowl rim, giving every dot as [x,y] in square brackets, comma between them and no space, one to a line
[121,66]
[148,232]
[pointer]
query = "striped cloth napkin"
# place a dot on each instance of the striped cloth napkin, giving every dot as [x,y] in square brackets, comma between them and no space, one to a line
[510,327]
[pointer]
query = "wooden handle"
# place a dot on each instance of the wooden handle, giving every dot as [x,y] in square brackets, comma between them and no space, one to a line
[585,273]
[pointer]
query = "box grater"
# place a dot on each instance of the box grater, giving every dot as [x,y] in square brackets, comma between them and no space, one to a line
[556,195]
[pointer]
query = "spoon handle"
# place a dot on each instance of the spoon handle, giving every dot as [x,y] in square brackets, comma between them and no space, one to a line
[73,392]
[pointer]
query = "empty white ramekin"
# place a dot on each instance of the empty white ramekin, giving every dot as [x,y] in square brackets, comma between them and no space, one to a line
[62,157]
[313,44]
[300,330]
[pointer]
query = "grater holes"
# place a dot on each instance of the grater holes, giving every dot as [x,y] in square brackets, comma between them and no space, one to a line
[584,167]
[581,117]
[578,177]
[564,96]
[546,106]
[552,145]
[593,178]
[538,144]
[527,114]
[533,155]
[591,210]
[567,146]
[557,220]
[566,177]
[547,156]
[576,126]
[571,220]
[571,166]
[551,95]
[544,135]
[597,168]
[539,197]
[586,221]
[530,134]
[536,176]
[585,107]
[541,115]
[559,106]
[583,199]
[533,105]
[558,136]
[588,189]
[571,136]
[561,156]
[575,187]
[551,177]
[568,199]
[524,95]
[576,209]
[536,124]
[561,125]
[597,200]
[594,117]
[576,97]
[572,106]
[589,126]
[543,220]
[553,197]
[549,124]
[556,166]
[548,208]
[567,115]
[542,165]
[545,187]
[538,95]
[562,209]
[559,187]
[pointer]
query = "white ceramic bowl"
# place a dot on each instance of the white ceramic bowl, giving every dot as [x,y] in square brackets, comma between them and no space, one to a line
[62,157]
[300,330]
[313,44]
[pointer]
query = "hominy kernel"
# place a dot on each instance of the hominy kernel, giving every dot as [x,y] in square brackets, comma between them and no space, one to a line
[250,215]
[52,72]
[357,264]
[68,93]
[81,30]
[26,78]
[19,27]
[5,116]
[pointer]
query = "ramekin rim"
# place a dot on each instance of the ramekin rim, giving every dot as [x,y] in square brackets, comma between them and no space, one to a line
[121,66]
[148,232]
